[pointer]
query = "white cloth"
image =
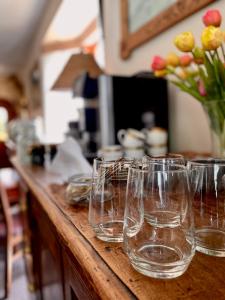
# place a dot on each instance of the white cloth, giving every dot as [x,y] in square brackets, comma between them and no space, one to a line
[69,160]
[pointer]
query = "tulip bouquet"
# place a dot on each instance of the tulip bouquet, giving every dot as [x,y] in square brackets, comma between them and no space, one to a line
[200,71]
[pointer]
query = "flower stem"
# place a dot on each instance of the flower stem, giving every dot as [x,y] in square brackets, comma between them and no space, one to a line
[223,51]
[212,56]
[173,72]
[217,54]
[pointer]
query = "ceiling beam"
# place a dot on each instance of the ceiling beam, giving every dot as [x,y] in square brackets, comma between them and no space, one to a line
[76,42]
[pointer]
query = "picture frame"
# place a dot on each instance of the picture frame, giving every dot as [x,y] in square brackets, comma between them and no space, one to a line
[163,20]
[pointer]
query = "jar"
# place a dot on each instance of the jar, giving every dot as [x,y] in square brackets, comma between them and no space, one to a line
[78,188]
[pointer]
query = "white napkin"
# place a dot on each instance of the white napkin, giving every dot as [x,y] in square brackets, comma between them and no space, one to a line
[69,160]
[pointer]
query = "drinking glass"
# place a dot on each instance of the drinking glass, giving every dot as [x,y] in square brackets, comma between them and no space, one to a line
[209,205]
[169,158]
[158,225]
[107,201]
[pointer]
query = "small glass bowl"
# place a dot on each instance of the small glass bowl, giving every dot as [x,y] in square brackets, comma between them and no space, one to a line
[78,189]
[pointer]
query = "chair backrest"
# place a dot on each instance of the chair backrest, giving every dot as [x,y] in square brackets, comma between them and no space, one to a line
[6,210]
[12,114]
[4,157]
[9,178]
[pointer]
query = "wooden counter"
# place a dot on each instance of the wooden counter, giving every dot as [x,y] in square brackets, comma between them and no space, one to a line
[70,263]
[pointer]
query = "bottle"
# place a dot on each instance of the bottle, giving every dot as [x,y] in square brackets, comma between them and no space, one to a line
[25,138]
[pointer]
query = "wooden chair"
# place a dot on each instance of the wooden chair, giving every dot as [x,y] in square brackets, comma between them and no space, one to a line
[13,237]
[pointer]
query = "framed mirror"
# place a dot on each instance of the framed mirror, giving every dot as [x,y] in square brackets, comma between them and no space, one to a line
[144,19]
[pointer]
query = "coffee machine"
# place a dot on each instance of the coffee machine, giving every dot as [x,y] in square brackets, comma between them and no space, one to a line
[87,128]
[139,101]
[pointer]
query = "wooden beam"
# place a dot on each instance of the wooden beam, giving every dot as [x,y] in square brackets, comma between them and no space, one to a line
[76,42]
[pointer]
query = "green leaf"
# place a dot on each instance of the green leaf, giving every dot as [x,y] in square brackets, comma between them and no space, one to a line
[193,84]
[203,75]
[216,69]
[221,70]
[209,68]
[210,78]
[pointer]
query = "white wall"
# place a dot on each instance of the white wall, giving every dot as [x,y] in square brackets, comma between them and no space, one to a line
[188,124]
[59,106]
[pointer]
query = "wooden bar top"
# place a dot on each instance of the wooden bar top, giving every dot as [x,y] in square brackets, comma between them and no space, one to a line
[108,267]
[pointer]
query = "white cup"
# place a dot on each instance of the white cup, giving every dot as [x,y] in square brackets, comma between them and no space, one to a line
[156,136]
[131,138]
[111,152]
[155,151]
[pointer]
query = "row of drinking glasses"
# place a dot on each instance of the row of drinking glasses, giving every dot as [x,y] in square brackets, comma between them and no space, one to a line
[161,209]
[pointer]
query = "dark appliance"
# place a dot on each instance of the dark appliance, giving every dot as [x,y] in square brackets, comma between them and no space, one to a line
[135,96]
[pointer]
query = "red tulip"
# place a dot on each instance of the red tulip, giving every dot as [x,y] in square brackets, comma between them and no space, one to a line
[185,60]
[201,88]
[212,17]
[158,63]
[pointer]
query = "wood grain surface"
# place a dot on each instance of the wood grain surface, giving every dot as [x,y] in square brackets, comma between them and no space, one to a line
[107,265]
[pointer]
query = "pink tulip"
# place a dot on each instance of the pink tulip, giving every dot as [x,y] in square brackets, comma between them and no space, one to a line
[212,17]
[158,63]
[201,88]
[185,60]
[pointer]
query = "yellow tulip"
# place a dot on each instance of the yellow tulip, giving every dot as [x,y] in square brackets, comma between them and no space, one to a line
[172,60]
[160,73]
[224,35]
[183,74]
[212,38]
[185,41]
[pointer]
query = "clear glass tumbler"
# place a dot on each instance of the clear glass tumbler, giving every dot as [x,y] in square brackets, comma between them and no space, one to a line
[169,158]
[107,201]
[158,225]
[209,205]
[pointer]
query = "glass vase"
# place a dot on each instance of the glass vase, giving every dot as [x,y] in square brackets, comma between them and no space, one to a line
[215,110]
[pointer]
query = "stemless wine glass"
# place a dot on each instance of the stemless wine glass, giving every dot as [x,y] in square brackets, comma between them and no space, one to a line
[158,224]
[209,205]
[107,201]
[169,158]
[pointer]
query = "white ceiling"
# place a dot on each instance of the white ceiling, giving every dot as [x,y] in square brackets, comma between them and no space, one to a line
[22,26]
[71,19]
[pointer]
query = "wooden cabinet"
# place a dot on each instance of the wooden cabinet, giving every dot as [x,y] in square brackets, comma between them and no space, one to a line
[46,254]
[77,284]
[58,275]
[71,263]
